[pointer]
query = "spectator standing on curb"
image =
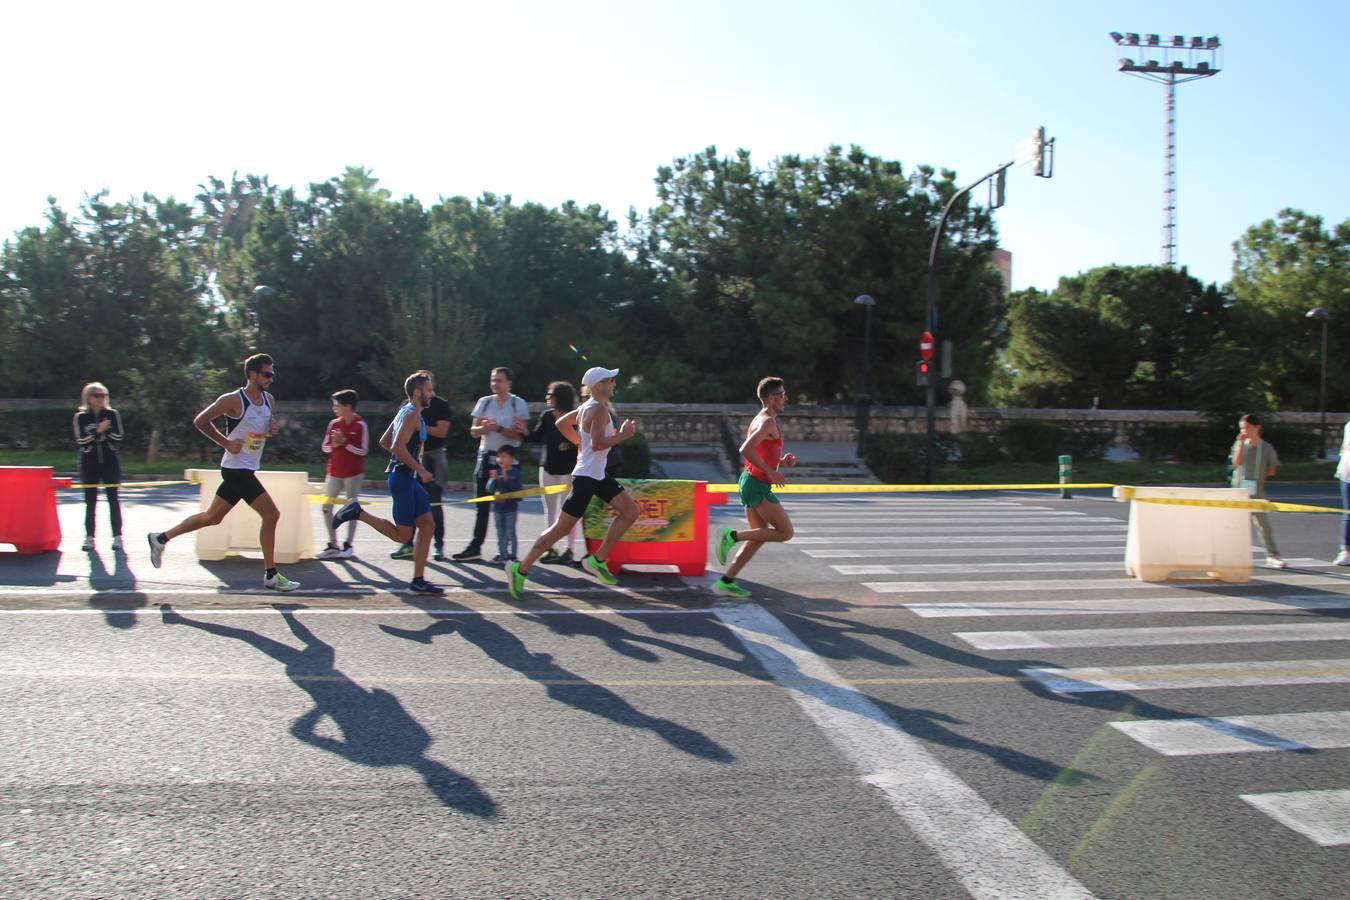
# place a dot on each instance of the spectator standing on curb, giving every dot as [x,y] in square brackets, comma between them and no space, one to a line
[557,459]
[437,417]
[498,418]
[98,434]
[505,480]
[1253,460]
[1343,476]
[346,443]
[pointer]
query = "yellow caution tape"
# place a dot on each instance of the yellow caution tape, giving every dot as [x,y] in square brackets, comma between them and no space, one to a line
[486,498]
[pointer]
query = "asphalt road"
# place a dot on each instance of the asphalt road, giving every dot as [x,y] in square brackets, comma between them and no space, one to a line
[929,696]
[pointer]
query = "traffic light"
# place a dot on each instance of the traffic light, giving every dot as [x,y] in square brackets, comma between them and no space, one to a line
[922,372]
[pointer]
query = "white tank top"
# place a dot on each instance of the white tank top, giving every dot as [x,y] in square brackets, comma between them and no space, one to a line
[591,462]
[251,428]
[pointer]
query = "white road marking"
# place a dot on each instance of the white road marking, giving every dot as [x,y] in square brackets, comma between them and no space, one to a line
[1156,637]
[1112,536]
[1187,603]
[1323,817]
[910,526]
[968,523]
[1242,734]
[1115,549]
[1264,579]
[946,814]
[997,568]
[1192,675]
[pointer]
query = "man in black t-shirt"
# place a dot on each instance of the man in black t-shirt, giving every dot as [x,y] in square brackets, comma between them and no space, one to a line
[436,414]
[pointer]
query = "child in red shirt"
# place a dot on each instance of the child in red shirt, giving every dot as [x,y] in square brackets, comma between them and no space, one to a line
[346,442]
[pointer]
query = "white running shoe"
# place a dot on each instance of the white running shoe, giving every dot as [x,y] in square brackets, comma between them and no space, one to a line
[1343,558]
[279,582]
[156,549]
[1275,562]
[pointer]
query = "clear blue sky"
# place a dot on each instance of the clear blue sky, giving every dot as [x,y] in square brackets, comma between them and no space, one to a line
[550,101]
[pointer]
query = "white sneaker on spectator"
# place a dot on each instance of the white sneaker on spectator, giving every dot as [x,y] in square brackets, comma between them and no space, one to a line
[329,552]
[1274,562]
[1343,558]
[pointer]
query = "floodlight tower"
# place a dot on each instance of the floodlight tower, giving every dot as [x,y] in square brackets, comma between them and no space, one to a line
[1170,63]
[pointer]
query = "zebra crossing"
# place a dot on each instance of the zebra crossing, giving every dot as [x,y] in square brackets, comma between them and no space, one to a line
[991,559]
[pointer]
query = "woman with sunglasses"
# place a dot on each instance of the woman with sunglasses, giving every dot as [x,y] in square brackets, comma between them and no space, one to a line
[98,434]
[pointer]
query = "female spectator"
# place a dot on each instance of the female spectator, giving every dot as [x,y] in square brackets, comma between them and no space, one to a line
[1343,475]
[557,459]
[98,434]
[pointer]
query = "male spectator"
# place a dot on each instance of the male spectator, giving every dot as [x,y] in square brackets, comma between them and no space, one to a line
[498,418]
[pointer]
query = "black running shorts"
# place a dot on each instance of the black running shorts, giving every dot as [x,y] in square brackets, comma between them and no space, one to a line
[584,488]
[239,484]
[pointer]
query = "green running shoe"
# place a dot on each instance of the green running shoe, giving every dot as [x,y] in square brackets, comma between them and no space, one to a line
[515,581]
[599,570]
[730,588]
[724,545]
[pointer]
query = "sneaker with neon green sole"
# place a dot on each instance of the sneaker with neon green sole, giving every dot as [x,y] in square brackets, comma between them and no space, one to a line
[515,580]
[724,544]
[729,588]
[599,570]
[279,582]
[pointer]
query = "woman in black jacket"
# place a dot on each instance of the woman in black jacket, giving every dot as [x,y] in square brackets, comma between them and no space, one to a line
[557,459]
[98,434]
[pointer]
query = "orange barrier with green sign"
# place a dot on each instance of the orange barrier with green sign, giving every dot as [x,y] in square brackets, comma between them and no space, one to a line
[671,527]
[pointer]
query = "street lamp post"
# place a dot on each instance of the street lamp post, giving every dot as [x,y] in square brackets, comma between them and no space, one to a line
[261,294]
[866,301]
[1324,316]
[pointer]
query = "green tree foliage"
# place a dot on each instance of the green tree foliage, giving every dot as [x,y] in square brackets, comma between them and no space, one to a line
[1283,268]
[1122,336]
[756,270]
[119,287]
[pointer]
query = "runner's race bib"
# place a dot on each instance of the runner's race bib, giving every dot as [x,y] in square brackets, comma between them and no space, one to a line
[254,441]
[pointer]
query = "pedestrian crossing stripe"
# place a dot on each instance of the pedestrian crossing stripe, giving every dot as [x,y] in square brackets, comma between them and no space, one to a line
[1184,603]
[1321,816]
[1299,732]
[1155,637]
[1096,679]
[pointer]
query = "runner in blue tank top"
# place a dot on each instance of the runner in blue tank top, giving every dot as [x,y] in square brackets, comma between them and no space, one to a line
[404,439]
[248,425]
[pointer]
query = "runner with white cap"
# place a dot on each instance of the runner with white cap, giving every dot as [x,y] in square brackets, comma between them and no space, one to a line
[591,429]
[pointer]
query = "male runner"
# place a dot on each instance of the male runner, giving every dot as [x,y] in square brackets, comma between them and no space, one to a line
[437,417]
[248,425]
[404,439]
[768,521]
[593,433]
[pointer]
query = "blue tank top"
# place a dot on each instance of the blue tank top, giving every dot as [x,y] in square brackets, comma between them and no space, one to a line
[415,443]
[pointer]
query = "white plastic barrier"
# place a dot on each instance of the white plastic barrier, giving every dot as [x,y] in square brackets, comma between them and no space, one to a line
[238,532]
[1166,540]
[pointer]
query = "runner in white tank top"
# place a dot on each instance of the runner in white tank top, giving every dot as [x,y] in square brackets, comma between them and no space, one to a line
[590,461]
[248,424]
[252,429]
[592,430]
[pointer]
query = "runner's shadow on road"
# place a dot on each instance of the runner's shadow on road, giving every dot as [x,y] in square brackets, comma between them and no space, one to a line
[560,684]
[376,729]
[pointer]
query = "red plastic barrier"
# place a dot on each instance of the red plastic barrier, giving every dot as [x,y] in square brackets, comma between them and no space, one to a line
[28,508]
[689,556]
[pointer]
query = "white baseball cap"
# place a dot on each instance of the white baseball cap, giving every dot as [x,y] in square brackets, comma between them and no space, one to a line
[596,374]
